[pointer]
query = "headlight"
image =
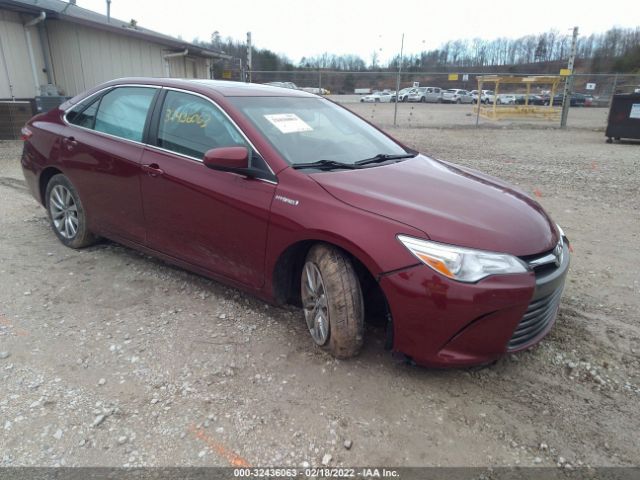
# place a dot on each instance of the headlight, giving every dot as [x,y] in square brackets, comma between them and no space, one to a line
[462,264]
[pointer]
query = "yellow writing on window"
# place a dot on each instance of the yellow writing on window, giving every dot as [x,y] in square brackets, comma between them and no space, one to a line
[201,119]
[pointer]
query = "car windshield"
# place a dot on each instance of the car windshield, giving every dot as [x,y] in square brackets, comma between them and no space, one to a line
[309,129]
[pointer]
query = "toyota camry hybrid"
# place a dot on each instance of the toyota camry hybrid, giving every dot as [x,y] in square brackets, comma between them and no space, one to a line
[295,199]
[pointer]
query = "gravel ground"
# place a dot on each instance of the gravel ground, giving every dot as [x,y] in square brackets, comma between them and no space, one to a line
[109,357]
[434,115]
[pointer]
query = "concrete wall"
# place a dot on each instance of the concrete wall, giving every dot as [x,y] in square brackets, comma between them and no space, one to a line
[82,57]
[16,74]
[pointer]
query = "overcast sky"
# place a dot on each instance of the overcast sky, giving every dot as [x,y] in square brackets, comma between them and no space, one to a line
[298,28]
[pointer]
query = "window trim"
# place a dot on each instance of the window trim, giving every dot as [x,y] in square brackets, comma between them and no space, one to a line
[149,132]
[103,92]
[150,110]
[155,125]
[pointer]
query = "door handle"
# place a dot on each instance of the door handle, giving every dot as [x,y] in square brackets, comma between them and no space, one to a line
[152,169]
[69,142]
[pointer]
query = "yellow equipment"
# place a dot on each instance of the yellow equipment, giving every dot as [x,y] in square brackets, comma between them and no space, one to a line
[495,111]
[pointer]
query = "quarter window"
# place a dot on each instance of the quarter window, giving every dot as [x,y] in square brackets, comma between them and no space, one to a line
[123,112]
[84,115]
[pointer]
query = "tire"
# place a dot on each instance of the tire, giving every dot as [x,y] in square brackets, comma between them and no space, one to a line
[458,101]
[377,100]
[423,100]
[67,214]
[332,301]
[405,99]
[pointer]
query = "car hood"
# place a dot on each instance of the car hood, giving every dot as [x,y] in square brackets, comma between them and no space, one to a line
[451,204]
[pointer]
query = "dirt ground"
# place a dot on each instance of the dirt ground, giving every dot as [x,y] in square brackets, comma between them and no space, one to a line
[109,357]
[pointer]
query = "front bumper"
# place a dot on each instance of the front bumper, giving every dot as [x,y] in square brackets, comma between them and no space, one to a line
[444,323]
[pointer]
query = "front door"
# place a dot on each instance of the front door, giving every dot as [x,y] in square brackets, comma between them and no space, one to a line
[214,220]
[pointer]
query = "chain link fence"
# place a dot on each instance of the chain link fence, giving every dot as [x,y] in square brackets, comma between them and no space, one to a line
[590,98]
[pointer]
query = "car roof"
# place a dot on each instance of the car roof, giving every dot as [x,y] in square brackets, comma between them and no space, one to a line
[222,87]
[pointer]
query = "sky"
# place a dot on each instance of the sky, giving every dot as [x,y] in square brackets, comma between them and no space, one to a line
[298,28]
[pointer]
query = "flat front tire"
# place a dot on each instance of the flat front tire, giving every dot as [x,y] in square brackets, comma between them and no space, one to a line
[66,213]
[332,301]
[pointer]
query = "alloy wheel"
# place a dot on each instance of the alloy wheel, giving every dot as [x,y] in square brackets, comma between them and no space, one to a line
[315,304]
[64,211]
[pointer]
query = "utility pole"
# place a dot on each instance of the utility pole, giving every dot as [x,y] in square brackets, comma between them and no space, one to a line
[395,110]
[249,65]
[568,84]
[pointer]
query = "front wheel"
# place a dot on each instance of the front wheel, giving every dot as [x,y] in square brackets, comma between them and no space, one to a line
[332,301]
[67,215]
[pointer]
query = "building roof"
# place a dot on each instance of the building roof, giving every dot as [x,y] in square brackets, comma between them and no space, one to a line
[70,12]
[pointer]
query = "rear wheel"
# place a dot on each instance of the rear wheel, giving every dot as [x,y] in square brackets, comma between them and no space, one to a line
[332,301]
[67,215]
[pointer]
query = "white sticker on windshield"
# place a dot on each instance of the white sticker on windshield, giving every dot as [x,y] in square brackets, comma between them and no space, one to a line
[288,122]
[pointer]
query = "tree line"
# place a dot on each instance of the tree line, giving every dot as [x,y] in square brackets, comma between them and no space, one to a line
[617,49]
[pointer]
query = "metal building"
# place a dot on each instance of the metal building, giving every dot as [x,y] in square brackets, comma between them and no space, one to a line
[53,47]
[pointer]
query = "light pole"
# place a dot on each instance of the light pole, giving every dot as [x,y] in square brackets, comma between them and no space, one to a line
[395,111]
[249,54]
[568,84]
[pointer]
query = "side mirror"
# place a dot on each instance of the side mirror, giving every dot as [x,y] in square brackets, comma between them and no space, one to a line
[228,159]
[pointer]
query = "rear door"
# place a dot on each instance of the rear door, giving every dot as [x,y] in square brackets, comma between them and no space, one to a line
[214,220]
[101,152]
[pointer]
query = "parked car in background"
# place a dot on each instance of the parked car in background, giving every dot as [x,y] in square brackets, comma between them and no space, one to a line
[377,97]
[534,99]
[403,95]
[601,101]
[506,99]
[456,95]
[426,95]
[297,200]
[486,96]
[575,100]
[581,100]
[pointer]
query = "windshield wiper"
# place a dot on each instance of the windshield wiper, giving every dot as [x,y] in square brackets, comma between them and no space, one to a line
[326,165]
[383,157]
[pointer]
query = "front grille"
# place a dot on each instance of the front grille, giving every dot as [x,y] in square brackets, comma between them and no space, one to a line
[537,318]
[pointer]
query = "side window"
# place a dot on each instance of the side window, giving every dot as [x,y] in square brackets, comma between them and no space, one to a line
[84,114]
[123,112]
[191,125]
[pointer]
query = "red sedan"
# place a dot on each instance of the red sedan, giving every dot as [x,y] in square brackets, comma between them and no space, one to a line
[295,199]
